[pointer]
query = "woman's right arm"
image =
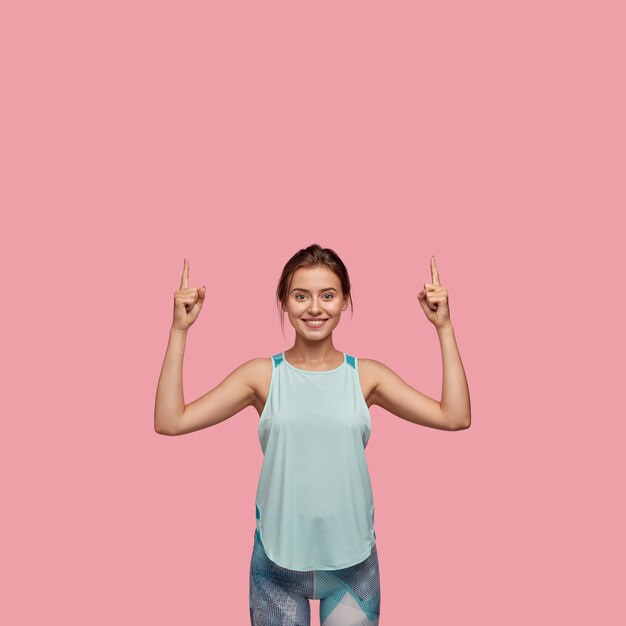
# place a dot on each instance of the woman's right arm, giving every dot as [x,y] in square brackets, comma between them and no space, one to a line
[234,393]
[170,401]
[171,415]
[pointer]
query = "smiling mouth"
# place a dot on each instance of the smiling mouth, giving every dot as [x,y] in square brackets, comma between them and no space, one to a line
[315,323]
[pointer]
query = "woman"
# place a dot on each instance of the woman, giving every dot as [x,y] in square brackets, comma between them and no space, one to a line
[314,536]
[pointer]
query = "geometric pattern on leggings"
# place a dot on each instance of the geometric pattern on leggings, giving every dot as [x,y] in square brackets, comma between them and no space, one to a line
[280,596]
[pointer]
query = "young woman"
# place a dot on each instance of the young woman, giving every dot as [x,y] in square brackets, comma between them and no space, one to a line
[314,535]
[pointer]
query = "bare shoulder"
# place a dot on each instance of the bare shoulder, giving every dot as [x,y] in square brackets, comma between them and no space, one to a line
[370,374]
[378,375]
[258,373]
[372,368]
[254,375]
[253,372]
[258,369]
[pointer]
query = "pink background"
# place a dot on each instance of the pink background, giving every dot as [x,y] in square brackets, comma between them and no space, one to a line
[490,134]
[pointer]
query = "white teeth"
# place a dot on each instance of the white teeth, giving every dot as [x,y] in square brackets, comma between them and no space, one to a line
[315,323]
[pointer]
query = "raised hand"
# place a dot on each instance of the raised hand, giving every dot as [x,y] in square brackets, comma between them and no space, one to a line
[188,301]
[434,299]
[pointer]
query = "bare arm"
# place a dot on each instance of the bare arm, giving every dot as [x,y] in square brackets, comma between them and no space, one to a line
[170,403]
[455,398]
[398,397]
[173,417]
[395,395]
[235,392]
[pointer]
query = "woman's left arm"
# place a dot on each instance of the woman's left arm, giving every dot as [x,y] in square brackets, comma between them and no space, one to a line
[398,397]
[455,399]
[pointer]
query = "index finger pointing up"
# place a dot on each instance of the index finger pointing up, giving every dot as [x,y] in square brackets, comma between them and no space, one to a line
[434,272]
[184,281]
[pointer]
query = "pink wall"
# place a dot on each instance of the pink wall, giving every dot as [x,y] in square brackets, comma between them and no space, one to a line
[490,134]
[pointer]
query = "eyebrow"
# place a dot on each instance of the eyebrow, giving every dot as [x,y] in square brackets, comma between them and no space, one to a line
[307,291]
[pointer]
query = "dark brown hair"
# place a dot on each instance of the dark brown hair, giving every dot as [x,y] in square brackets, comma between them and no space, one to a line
[312,256]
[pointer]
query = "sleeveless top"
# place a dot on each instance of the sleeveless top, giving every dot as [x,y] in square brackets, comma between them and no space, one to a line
[314,501]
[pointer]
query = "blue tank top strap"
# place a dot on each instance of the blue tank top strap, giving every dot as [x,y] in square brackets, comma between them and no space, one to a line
[278,358]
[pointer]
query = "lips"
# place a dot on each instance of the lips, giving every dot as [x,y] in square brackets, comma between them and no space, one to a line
[317,322]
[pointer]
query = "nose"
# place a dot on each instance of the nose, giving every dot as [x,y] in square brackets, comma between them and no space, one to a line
[315,308]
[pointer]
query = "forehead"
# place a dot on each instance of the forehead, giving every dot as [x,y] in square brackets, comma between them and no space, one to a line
[319,276]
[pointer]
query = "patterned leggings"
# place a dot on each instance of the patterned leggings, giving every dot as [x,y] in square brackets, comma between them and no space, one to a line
[280,596]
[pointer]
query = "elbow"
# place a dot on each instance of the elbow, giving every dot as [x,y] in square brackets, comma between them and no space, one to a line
[167,433]
[458,420]
[161,428]
[460,424]
[464,424]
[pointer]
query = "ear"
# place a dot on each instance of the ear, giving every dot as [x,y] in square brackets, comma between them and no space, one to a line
[346,302]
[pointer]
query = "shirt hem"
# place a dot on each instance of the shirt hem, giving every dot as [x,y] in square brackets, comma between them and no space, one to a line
[300,568]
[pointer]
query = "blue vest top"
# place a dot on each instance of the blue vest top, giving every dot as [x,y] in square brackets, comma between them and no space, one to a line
[314,501]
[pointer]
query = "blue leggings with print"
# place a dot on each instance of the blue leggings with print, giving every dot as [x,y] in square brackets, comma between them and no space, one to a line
[280,596]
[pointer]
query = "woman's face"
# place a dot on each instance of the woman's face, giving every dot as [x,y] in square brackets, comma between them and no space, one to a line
[315,294]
